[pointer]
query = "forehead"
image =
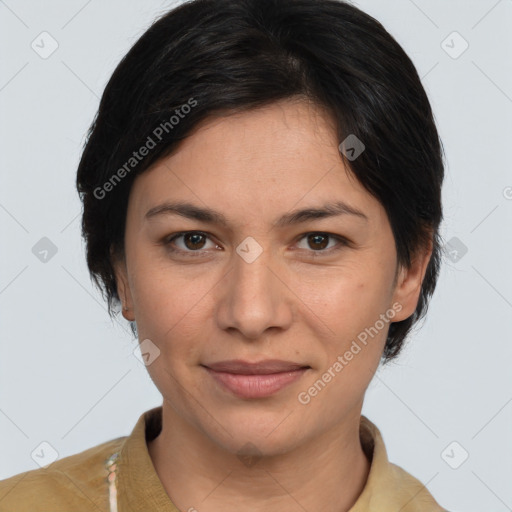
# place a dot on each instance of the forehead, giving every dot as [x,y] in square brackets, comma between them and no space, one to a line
[268,160]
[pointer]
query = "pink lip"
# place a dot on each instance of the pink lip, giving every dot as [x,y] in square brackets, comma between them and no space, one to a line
[255,380]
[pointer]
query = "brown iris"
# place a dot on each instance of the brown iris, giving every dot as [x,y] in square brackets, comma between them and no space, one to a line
[316,240]
[195,240]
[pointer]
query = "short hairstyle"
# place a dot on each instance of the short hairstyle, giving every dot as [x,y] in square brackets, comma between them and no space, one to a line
[207,58]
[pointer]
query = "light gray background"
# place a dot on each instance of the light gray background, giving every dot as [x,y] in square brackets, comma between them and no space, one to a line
[68,375]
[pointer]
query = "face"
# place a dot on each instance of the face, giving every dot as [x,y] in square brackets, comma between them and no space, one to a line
[318,291]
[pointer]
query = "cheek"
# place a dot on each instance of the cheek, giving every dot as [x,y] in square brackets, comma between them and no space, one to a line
[344,308]
[169,303]
[345,315]
[170,311]
[344,300]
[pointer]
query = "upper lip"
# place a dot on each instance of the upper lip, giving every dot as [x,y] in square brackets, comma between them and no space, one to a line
[262,367]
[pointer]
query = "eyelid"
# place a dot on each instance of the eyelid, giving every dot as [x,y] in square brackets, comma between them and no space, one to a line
[342,242]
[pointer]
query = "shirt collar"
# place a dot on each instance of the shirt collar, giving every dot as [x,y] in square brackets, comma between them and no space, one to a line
[389,488]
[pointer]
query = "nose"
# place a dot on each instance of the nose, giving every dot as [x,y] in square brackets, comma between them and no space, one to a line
[255,297]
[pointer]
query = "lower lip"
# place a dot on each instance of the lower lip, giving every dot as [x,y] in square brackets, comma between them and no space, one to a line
[256,386]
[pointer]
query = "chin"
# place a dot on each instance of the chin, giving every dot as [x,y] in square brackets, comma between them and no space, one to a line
[254,435]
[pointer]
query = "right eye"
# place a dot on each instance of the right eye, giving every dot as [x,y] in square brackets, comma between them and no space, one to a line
[193,242]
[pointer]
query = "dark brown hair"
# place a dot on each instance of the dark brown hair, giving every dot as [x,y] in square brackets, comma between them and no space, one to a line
[207,57]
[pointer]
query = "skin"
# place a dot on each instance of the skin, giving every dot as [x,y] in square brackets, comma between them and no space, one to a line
[287,304]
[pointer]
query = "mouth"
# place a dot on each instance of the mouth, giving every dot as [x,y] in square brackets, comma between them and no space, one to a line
[266,367]
[255,380]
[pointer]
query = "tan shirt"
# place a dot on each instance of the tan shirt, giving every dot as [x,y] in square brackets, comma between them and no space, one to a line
[78,483]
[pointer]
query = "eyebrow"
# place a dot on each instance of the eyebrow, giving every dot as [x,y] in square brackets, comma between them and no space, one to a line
[191,211]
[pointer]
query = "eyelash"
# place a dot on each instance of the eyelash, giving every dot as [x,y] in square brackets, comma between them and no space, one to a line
[343,242]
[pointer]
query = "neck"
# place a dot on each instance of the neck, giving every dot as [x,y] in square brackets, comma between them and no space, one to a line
[325,474]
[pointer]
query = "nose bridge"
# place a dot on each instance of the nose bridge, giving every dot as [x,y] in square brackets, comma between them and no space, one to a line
[251,269]
[254,298]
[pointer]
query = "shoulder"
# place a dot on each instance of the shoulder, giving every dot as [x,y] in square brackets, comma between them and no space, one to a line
[77,482]
[390,487]
[413,493]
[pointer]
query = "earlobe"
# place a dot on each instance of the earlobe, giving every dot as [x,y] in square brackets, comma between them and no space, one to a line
[409,282]
[128,315]
[126,299]
[123,287]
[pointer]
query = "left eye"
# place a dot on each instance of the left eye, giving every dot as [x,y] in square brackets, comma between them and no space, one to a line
[319,241]
[194,241]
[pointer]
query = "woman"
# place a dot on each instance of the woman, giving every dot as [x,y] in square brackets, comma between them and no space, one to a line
[262,194]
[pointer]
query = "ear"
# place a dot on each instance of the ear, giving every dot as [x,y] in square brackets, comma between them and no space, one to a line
[408,284]
[123,286]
